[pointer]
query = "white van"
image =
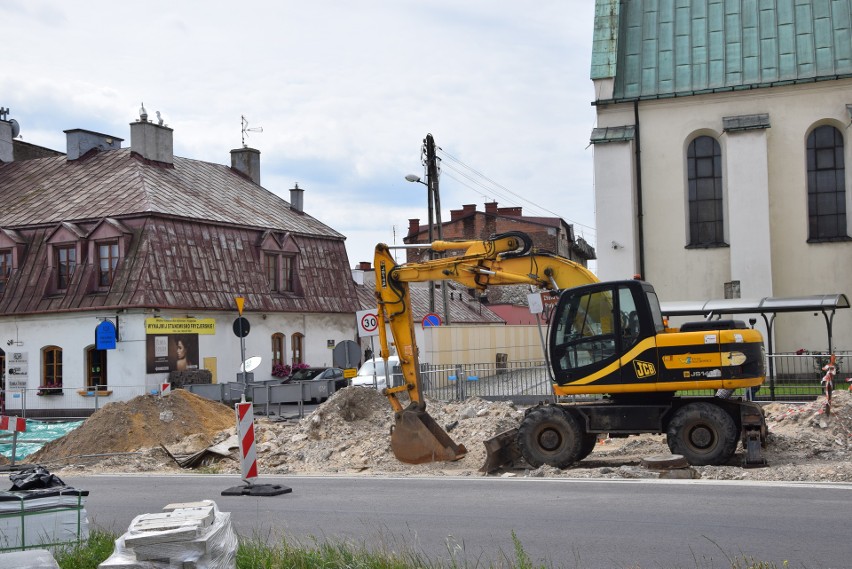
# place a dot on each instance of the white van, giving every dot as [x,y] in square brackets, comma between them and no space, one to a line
[365,374]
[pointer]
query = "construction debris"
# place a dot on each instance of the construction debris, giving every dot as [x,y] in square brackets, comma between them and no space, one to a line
[349,434]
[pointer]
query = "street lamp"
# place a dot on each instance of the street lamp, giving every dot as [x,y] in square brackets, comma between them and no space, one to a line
[415,178]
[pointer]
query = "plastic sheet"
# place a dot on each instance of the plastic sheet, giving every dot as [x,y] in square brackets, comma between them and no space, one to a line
[193,535]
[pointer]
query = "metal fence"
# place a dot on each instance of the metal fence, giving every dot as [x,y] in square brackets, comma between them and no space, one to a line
[790,377]
[66,402]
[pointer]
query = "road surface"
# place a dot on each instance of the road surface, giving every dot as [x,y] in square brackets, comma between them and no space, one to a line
[569,523]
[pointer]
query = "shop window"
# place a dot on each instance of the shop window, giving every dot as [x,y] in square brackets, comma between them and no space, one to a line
[826,185]
[296,341]
[96,369]
[277,349]
[51,366]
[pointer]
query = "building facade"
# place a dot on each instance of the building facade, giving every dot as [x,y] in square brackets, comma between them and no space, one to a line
[720,150]
[120,269]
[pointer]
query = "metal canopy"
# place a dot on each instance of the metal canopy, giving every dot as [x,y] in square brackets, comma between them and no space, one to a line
[768,305]
[827,304]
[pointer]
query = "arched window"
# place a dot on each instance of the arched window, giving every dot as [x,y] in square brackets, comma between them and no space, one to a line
[96,368]
[826,185]
[706,206]
[51,366]
[296,345]
[278,349]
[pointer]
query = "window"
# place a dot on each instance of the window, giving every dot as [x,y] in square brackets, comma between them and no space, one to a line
[296,345]
[286,273]
[66,263]
[107,263]
[51,369]
[96,368]
[272,271]
[5,268]
[826,185]
[280,272]
[706,208]
[277,349]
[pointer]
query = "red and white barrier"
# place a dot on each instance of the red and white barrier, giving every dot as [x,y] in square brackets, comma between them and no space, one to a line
[17,424]
[245,432]
[165,389]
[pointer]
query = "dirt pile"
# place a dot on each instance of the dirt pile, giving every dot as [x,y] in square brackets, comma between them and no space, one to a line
[181,421]
[350,433]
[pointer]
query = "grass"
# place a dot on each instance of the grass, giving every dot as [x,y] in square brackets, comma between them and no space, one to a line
[256,553]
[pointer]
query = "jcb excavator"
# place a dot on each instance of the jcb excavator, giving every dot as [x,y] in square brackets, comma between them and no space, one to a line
[604,338]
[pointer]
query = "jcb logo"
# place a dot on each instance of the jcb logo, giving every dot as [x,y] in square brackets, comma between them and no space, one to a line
[643,369]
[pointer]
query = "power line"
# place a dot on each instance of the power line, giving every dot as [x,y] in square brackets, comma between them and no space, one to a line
[492,190]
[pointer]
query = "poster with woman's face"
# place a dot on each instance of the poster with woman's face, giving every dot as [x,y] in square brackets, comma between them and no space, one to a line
[171,352]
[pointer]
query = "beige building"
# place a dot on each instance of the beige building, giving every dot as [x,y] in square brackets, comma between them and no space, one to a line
[720,152]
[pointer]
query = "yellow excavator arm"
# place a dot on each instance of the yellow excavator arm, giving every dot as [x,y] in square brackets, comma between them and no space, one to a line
[504,260]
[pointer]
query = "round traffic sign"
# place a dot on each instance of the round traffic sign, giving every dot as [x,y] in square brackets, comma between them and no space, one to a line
[369,322]
[241,327]
[431,319]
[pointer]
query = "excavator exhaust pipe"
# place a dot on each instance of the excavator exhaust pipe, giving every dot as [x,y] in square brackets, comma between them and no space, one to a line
[416,438]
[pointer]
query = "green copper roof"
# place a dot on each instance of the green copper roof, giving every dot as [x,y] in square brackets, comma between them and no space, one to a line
[682,47]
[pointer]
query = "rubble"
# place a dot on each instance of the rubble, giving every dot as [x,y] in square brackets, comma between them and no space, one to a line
[350,434]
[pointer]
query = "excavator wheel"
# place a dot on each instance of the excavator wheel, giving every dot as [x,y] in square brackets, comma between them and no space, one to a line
[702,433]
[590,440]
[549,435]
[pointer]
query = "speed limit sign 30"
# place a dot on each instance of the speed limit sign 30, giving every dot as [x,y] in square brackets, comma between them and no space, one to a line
[368,323]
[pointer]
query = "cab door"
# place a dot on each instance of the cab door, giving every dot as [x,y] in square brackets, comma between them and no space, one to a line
[584,345]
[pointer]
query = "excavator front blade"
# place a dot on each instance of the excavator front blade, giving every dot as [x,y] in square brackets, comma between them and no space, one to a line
[416,438]
[501,449]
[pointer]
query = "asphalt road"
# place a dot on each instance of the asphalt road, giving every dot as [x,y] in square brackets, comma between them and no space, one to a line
[569,523]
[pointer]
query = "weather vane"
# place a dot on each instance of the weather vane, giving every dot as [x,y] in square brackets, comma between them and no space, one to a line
[247,130]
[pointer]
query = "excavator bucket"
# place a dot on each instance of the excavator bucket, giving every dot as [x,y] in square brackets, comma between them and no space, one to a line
[501,449]
[416,438]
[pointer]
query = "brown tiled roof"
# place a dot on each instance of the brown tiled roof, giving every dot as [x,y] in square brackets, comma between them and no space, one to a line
[117,183]
[195,244]
[170,265]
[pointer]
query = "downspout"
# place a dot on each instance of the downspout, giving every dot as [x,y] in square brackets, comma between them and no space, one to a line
[639,215]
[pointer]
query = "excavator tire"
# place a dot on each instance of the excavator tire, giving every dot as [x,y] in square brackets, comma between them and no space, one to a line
[703,433]
[590,440]
[549,435]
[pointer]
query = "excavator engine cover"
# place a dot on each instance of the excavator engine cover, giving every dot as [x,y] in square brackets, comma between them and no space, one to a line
[416,438]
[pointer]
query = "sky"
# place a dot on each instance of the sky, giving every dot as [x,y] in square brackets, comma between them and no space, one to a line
[344,92]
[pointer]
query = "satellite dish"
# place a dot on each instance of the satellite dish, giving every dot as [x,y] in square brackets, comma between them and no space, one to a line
[16,128]
[250,364]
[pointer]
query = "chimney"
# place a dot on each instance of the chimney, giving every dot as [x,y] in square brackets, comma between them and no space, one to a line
[413,226]
[6,153]
[79,141]
[466,210]
[365,266]
[510,211]
[297,198]
[152,141]
[491,208]
[247,161]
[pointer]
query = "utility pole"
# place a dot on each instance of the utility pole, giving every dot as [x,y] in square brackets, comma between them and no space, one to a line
[435,205]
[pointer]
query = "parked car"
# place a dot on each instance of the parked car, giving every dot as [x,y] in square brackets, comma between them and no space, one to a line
[365,374]
[321,373]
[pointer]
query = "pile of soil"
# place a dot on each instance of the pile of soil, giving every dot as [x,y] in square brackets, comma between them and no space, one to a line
[350,434]
[177,420]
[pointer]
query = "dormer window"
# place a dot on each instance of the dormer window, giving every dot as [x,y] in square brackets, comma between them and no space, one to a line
[280,262]
[279,272]
[107,254]
[5,268]
[66,264]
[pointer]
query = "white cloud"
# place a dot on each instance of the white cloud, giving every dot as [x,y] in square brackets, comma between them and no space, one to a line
[344,92]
